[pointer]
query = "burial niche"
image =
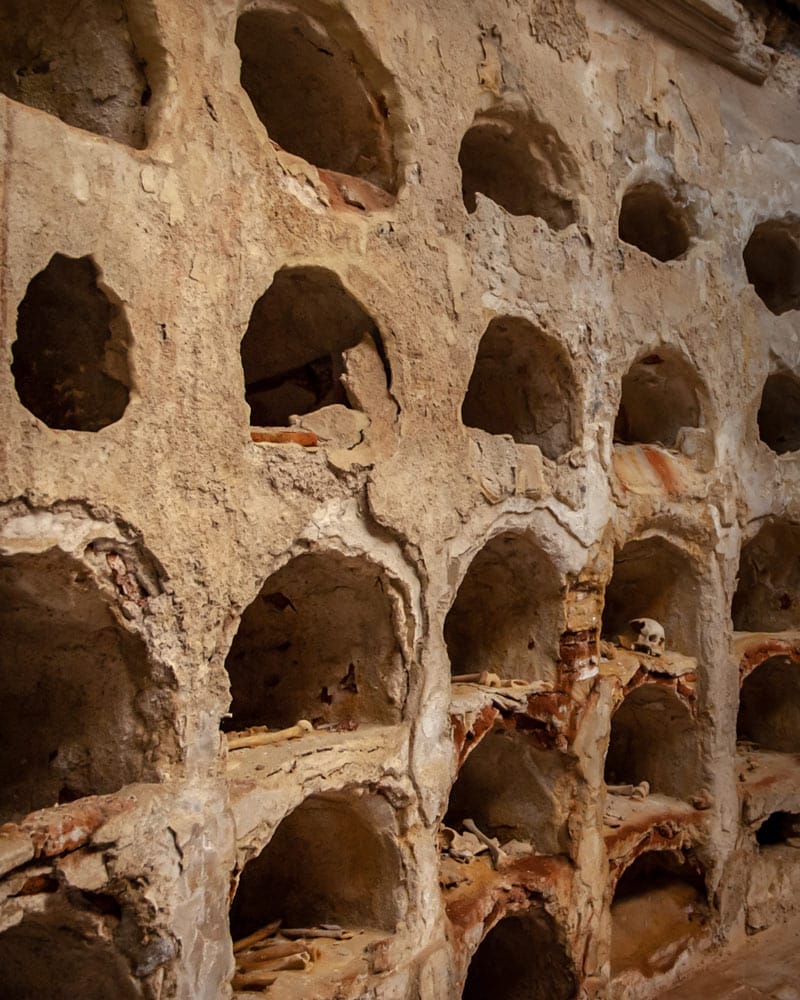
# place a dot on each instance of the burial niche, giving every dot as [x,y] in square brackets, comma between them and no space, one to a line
[522,385]
[507,615]
[79,707]
[520,164]
[319,91]
[295,350]
[767,597]
[318,643]
[779,413]
[779,828]
[660,906]
[661,393]
[514,789]
[70,358]
[769,706]
[521,958]
[772,261]
[333,860]
[654,739]
[653,578]
[76,61]
[653,221]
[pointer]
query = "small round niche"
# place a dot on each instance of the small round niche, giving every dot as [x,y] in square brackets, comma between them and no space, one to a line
[70,358]
[779,413]
[318,91]
[77,61]
[522,384]
[772,261]
[661,393]
[652,221]
[521,165]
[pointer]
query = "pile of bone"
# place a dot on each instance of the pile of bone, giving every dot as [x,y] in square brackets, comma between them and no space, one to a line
[263,954]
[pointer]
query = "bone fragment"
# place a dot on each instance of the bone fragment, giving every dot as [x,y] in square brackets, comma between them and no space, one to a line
[237,742]
[487,679]
[247,942]
[253,980]
[272,949]
[298,962]
[496,853]
[640,791]
[317,932]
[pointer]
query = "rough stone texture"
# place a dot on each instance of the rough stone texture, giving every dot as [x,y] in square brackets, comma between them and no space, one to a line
[430,560]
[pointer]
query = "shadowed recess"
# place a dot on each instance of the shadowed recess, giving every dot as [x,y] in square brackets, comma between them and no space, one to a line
[514,790]
[79,711]
[521,165]
[779,828]
[661,393]
[334,860]
[652,578]
[779,413]
[654,739]
[507,615]
[772,261]
[660,907]
[521,958]
[76,61]
[313,93]
[318,643]
[769,706]
[767,597]
[294,352]
[522,385]
[652,221]
[70,362]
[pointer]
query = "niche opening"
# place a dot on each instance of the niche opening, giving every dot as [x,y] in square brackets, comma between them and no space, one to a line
[659,907]
[654,739]
[654,222]
[779,413]
[78,704]
[652,578]
[318,643]
[779,828]
[70,362]
[521,165]
[661,393]
[513,790]
[767,597]
[77,62]
[294,352]
[522,385]
[320,93]
[772,261]
[334,860]
[769,706]
[521,958]
[507,615]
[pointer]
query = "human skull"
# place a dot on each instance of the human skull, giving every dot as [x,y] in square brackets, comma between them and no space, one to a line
[648,636]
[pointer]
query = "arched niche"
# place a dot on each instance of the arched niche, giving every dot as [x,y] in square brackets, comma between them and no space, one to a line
[319,90]
[333,860]
[81,63]
[522,958]
[294,352]
[772,261]
[318,643]
[769,706]
[655,221]
[521,164]
[83,709]
[661,394]
[767,597]
[49,955]
[523,385]
[654,739]
[507,615]
[778,829]
[653,578]
[514,789]
[779,413]
[70,358]
[660,906]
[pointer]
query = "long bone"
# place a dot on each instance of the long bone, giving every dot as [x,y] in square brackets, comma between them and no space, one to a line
[266,739]
[496,852]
